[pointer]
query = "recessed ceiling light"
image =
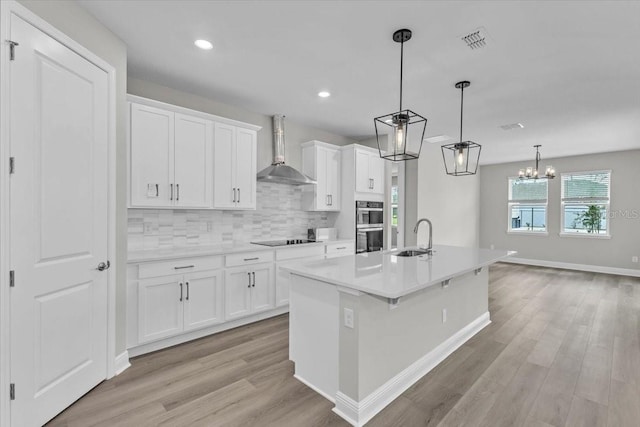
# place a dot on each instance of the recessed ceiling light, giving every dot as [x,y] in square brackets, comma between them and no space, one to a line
[512,126]
[324,94]
[203,44]
[437,139]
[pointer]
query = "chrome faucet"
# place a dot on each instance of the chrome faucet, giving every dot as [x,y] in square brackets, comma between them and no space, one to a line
[415,230]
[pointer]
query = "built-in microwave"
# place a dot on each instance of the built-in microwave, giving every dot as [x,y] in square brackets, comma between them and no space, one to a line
[369,226]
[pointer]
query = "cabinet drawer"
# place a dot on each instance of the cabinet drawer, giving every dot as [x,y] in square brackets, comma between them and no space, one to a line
[345,248]
[249,258]
[298,252]
[179,266]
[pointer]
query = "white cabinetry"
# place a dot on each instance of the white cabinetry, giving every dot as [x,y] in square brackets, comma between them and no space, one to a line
[171,158]
[283,257]
[369,171]
[248,290]
[171,304]
[234,167]
[321,161]
[335,250]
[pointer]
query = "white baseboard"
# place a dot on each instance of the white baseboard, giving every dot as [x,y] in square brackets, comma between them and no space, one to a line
[357,413]
[570,266]
[122,362]
[312,387]
[189,336]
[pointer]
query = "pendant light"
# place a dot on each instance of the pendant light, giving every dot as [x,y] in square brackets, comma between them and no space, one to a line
[461,158]
[400,134]
[533,173]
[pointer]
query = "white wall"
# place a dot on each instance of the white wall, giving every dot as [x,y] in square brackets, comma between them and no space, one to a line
[625,197]
[450,202]
[74,21]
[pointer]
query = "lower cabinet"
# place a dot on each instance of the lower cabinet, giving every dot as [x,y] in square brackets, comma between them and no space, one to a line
[248,290]
[171,305]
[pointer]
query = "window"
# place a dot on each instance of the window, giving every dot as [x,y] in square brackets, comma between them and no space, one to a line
[527,205]
[585,203]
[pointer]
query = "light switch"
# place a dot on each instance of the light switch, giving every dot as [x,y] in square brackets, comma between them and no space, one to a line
[348,318]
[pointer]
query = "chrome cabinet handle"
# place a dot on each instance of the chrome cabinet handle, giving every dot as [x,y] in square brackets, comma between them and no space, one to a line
[103,266]
[171,196]
[252,259]
[341,247]
[177,192]
[330,199]
[238,195]
[187,291]
[234,195]
[157,191]
[184,266]
[254,278]
[249,274]
[180,291]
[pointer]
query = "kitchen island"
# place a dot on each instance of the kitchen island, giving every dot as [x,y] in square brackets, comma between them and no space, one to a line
[364,328]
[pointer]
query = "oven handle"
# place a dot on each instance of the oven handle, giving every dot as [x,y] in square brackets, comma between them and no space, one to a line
[369,227]
[364,230]
[370,209]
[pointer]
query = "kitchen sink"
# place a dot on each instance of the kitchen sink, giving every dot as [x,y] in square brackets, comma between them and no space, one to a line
[413,252]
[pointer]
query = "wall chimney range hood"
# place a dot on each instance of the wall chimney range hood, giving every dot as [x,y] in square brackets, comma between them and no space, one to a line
[278,172]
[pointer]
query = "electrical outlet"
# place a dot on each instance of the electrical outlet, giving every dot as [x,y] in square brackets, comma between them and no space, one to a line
[634,258]
[444,315]
[348,318]
[147,228]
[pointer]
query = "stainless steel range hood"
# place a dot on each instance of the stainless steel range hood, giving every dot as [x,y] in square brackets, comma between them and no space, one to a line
[279,172]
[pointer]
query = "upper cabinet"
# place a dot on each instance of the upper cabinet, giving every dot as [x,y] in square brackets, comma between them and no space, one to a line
[369,171]
[182,158]
[321,161]
[234,167]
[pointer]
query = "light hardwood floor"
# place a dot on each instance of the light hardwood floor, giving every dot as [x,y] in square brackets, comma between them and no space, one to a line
[563,349]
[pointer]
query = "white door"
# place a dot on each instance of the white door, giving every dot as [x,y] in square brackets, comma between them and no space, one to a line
[333,178]
[262,288]
[246,168]
[224,191]
[59,136]
[363,180]
[203,299]
[152,142]
[376,172]
[237,291]
[322,193]
[283,280]
[160,307]
[193,160]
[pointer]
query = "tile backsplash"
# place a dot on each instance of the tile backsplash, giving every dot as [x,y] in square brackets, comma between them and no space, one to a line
[278,215]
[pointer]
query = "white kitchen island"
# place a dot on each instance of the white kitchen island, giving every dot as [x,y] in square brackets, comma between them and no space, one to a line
[364,328]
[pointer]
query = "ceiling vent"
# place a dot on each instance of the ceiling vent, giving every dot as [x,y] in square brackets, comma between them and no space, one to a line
[476,39]
[512,126]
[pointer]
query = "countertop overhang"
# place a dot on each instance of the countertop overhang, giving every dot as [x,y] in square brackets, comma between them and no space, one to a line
[387,275]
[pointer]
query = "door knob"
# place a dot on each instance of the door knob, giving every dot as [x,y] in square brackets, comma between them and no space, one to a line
[102,266]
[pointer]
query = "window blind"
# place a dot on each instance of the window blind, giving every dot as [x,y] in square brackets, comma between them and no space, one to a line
[586,186]
[527,190]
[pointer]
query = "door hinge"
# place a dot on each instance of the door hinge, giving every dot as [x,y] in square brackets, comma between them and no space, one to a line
[12,279]
[12,165]
[12,391]
[12,49]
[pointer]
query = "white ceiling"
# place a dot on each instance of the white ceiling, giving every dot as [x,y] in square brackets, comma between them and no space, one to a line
[569,71]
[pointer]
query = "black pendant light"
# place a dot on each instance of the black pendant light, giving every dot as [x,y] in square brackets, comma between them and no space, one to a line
[533,173]
[461,158]
[400,134]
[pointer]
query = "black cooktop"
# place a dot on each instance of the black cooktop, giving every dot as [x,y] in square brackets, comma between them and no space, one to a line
[284,242]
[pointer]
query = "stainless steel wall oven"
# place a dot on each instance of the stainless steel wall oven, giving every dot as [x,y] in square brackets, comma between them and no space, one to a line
[369,226]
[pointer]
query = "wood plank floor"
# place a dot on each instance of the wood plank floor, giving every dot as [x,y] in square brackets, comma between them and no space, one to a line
[563,349]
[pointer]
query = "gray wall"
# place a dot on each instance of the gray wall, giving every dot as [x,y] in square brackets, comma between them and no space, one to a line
[450,202]
[625,196]
[295,134]
[82,27]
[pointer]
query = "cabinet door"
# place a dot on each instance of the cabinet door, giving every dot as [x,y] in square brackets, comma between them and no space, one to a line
[363,180]
[237,292]
[322,189]
[333,179]
[224,184]
[193,160]
[160,309]
[283,280]
[376,173]
[245,163]
[202,299]
[262,289]
[151,144]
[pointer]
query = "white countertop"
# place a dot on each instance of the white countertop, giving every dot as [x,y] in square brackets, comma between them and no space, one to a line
[160,254]
[387,275]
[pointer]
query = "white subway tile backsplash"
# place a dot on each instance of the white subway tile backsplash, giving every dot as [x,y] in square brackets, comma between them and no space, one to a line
[278,215]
